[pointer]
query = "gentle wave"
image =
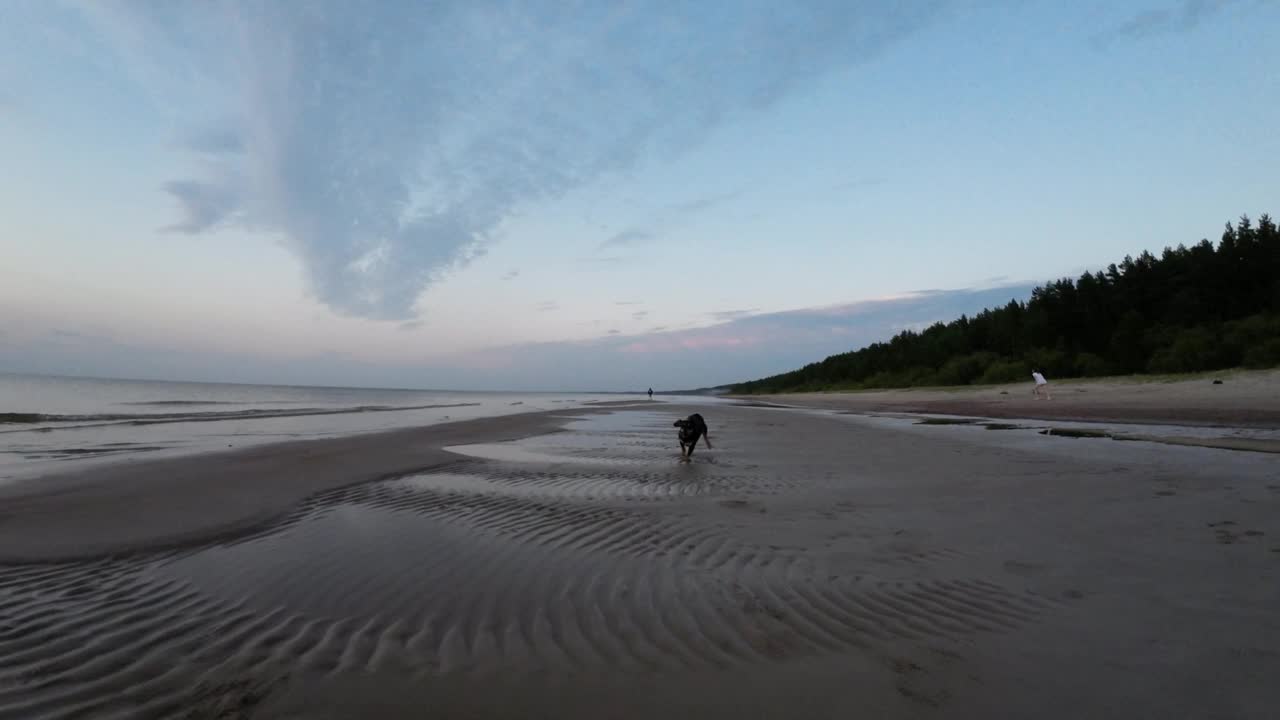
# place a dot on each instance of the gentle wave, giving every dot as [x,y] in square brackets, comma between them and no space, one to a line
[66,422]
[180,403]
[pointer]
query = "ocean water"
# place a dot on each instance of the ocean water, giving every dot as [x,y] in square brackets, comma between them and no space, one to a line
[49,424]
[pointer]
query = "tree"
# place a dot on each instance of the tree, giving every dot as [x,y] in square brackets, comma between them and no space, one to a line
[1193,308]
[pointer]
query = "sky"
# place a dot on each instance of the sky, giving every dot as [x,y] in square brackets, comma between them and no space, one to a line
[592,195]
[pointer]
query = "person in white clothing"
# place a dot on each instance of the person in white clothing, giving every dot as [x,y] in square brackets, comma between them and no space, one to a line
[1042,385]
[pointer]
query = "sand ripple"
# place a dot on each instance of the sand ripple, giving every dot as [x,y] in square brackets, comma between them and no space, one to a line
[505,565]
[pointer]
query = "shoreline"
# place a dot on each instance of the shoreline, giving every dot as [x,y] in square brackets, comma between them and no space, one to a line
[1243,400]
[191,499]
[147,504]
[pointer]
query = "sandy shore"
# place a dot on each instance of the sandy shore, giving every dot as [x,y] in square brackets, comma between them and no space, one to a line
[1243,399]
[818,566]
[141,504]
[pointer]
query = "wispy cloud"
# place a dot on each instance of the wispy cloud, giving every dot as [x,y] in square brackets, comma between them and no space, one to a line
[547,306]
[629,302]
[706,202]
[722,315]
[386,143]
[410,325]
[1181,16]
[799,336]
[627,237]
[640,315]
[511,275]
[742,348]
[203,205]
[670,216]
[215,141]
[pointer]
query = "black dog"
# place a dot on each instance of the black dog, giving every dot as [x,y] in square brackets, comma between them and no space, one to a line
[691,428]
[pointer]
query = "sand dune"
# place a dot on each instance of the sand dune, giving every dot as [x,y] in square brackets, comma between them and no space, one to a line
[808,566]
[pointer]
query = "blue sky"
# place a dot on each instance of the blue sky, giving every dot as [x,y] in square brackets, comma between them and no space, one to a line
[554,195]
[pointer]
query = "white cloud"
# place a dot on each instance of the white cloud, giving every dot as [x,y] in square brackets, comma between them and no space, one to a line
[384,144]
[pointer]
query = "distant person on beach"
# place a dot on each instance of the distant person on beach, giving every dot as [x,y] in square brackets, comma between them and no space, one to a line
[650,393]
[1042,385]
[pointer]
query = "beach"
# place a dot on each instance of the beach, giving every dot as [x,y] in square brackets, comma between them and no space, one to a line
[1239,399]
[51,424]
[813,563]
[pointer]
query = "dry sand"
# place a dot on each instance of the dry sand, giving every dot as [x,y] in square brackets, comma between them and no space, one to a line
[1243,399]
[816,566]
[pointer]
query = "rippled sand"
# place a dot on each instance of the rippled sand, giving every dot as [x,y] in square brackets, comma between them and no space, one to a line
[806,567]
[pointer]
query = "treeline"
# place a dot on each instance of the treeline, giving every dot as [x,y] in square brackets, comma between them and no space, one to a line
[1193,308]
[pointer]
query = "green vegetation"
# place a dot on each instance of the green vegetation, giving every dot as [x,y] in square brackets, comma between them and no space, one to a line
[1189,310]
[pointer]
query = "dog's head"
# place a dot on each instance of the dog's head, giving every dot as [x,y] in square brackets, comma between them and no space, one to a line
[681,424]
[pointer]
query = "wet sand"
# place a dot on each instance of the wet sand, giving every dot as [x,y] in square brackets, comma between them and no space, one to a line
[140,504]
[809,566]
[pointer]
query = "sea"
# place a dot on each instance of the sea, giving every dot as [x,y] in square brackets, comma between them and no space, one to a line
[52,424]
